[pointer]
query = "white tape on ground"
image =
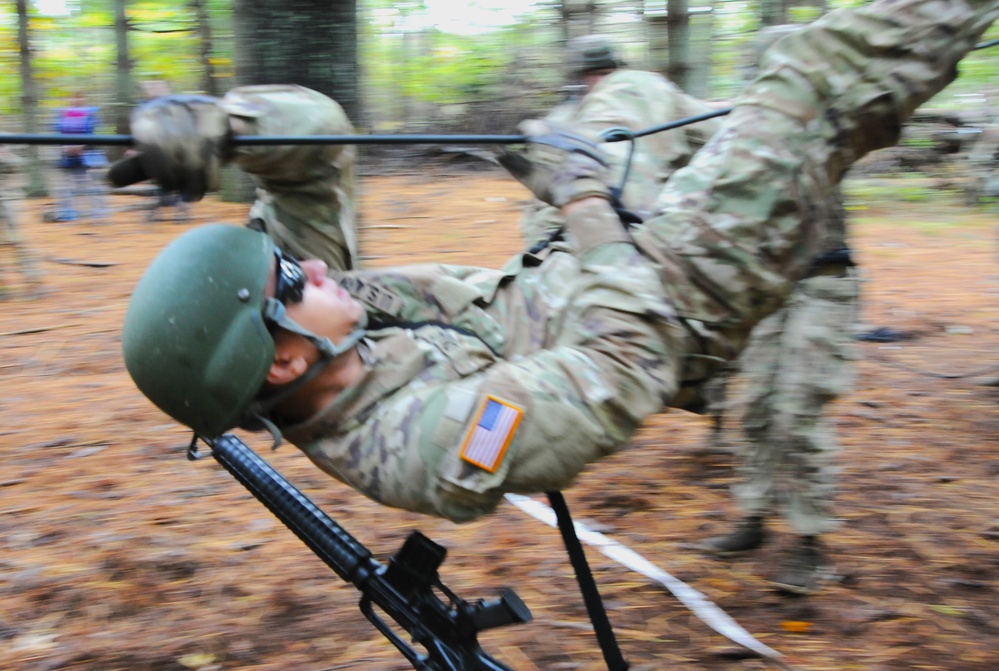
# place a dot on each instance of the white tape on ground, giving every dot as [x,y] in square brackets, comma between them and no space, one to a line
[700,605]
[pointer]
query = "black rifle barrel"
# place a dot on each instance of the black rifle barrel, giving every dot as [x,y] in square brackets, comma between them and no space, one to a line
[348,558]
[447,632]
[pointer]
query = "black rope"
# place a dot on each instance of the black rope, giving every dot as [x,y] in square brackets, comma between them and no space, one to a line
[619,135]
[246,140]
[587,585]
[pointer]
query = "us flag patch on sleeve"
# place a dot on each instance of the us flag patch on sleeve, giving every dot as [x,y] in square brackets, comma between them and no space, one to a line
[490,434]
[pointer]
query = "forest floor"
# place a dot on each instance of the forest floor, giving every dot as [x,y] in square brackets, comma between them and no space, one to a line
[117,553]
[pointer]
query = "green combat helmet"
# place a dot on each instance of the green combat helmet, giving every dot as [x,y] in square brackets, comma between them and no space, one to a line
[196,339]
[588,53]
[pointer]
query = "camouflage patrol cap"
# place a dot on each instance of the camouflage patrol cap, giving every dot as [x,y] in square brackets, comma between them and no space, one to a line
[589,53]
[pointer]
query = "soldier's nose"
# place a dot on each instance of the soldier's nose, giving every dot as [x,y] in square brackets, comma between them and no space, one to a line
[315,270]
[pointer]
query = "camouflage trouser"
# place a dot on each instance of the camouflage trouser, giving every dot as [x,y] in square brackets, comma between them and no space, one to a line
[798,361]
[10,241]
[983,182]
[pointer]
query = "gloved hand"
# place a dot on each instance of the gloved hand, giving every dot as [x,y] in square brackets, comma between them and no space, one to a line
[182,141]
[559,166]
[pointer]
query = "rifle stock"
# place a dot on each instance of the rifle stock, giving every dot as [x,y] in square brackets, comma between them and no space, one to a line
[406,590]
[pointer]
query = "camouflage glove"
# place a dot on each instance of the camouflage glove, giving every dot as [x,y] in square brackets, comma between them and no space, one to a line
[182,141]
[559,166]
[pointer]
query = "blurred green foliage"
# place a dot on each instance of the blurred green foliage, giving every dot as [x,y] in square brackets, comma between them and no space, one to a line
[412,72]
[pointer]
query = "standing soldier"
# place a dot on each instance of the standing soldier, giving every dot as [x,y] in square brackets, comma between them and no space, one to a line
[982,160]
[606,94]
[10,239]
[798,361]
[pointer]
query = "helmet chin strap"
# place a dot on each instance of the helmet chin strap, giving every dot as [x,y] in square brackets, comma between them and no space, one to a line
[274,312]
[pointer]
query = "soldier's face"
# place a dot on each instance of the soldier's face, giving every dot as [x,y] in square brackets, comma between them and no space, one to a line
[312,300]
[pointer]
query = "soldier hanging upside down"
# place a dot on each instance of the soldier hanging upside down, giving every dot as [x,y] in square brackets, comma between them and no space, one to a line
[438,388]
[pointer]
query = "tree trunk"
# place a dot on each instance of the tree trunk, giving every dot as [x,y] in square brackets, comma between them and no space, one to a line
[312,43]
[308,42]
[124,86]
[35,187]
[773,12]
[578,18]
[702,28]
[678,41]
[208,84]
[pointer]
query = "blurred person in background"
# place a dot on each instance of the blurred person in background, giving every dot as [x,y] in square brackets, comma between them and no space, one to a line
[81,193]
[605,94]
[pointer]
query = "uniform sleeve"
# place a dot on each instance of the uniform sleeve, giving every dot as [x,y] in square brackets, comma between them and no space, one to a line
[286,110]
[698,133]
[306,200]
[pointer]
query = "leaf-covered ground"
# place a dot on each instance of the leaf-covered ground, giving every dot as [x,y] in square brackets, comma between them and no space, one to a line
[116,552]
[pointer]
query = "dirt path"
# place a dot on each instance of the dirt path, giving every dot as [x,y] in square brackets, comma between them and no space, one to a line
[118,553]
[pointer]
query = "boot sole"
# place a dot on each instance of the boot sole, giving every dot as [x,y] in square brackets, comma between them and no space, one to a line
[821,576]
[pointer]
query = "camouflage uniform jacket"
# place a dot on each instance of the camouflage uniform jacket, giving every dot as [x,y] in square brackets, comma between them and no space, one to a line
[305,195]
[566,349]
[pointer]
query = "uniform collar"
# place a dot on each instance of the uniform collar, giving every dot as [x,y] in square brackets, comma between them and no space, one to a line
[391,359]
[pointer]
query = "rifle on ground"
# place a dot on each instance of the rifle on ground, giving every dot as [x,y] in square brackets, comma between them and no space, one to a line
[405,590]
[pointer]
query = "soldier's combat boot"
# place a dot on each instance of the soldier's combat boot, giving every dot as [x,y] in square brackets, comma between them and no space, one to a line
[804,569]
[749,534]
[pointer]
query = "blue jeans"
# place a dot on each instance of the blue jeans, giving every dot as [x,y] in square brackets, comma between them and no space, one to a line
[80,187]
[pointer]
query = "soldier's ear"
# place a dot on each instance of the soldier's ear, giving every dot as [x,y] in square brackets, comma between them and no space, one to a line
[289,365]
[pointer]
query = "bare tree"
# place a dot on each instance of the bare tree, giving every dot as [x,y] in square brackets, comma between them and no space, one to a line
[124,85]
[208,83]
[678,42]
[578,18]
[308,42]
[29,103]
